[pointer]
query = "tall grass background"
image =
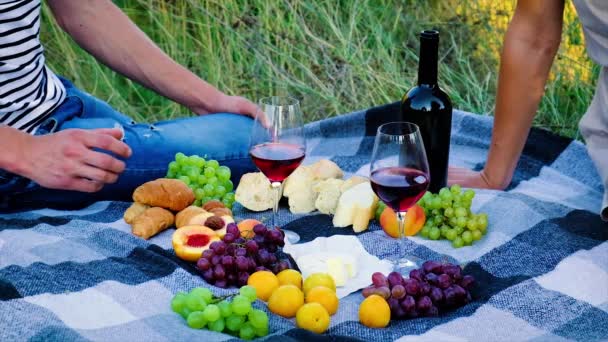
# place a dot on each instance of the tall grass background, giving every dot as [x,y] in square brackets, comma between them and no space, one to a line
[335,56]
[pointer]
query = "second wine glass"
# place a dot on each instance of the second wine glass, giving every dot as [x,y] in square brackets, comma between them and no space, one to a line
[278,145]
[399,176]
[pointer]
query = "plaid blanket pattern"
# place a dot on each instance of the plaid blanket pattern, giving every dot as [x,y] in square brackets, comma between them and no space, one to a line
[542,269]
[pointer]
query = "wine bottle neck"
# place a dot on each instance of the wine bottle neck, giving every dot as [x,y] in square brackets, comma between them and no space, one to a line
[427,64]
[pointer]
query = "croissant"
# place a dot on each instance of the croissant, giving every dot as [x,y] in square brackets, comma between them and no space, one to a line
[166,193]
[151,222]
[133,211]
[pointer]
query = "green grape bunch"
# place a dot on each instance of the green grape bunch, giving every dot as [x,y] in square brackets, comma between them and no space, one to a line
[207,178]
[232,314]
[449,216]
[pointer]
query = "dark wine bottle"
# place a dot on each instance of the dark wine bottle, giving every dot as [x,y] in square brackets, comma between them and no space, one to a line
[430,108]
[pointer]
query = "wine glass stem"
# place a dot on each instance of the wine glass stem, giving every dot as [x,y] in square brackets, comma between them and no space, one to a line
[401,221]
[276,188]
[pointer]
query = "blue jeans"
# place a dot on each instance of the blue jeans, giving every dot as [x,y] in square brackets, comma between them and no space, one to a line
[224,137]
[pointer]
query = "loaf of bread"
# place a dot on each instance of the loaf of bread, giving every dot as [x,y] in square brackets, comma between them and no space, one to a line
[300,185]
[298,188]
[328,193]
[254,192]
[325,169]
[151,222]
[166,193]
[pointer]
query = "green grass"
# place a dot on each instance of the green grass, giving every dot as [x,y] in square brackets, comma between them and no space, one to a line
[335,56]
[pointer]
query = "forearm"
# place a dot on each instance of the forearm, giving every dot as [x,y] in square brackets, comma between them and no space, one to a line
[526,60]
[108,34]
[13,142]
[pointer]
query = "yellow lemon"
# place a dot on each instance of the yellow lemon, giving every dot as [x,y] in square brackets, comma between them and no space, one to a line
[313,317]
[325,297]
[290,277]
[319,279]
[286,300]
[374,312]
[264,282]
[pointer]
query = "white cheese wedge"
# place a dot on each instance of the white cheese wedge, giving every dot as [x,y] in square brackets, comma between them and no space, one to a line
[356,207]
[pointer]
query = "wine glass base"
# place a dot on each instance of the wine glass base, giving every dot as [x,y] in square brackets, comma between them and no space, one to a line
[405,265]
[291,236]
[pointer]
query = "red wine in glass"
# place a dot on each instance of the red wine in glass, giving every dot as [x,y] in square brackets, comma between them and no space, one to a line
[277,160]
[399,187]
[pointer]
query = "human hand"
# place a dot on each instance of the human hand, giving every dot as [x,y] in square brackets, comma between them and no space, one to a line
[470,179]
[230,104]
[66,159]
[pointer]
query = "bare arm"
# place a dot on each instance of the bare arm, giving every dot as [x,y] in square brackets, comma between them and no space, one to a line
[64,160]
[530,45]
[107,33]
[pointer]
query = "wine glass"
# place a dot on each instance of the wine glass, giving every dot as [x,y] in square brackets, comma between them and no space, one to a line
[399,176]
[278,145]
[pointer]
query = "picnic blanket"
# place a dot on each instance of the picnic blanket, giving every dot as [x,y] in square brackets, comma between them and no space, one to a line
[542,269]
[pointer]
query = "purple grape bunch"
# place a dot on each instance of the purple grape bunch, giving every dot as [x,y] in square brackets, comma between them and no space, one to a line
[433,287]
[230,261]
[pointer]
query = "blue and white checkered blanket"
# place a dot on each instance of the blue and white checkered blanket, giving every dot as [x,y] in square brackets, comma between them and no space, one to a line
[542,269]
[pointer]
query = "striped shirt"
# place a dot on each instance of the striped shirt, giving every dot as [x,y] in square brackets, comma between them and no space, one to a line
[29,91]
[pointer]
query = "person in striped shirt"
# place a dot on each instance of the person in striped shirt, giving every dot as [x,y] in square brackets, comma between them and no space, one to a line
[63,147]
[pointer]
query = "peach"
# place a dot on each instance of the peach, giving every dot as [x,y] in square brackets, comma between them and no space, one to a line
[414,220]
[246,227]
[189,242]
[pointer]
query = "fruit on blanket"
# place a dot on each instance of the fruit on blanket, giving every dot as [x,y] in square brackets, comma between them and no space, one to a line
[449,216]
[313,317]
[374,312]
[207,179]
[290,277]
[189,242]
[429,289]
[151,222]
[319,279]
[414,220]
[231,314]
[286,300]
[264,283]
[246,227]
[232,260]
[254,192]
[183,217]
[165,193]
[380,209]
[356,207]
[324,296]
[133,211]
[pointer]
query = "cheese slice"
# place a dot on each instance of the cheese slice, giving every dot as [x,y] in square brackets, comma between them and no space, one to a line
[337,270]
[341,267]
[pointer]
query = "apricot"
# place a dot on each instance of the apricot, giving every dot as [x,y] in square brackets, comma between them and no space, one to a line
[246,227]
[189,242]
[414,220]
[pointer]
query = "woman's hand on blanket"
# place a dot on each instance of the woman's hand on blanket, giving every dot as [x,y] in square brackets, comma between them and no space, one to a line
[470,179]
[66,159]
